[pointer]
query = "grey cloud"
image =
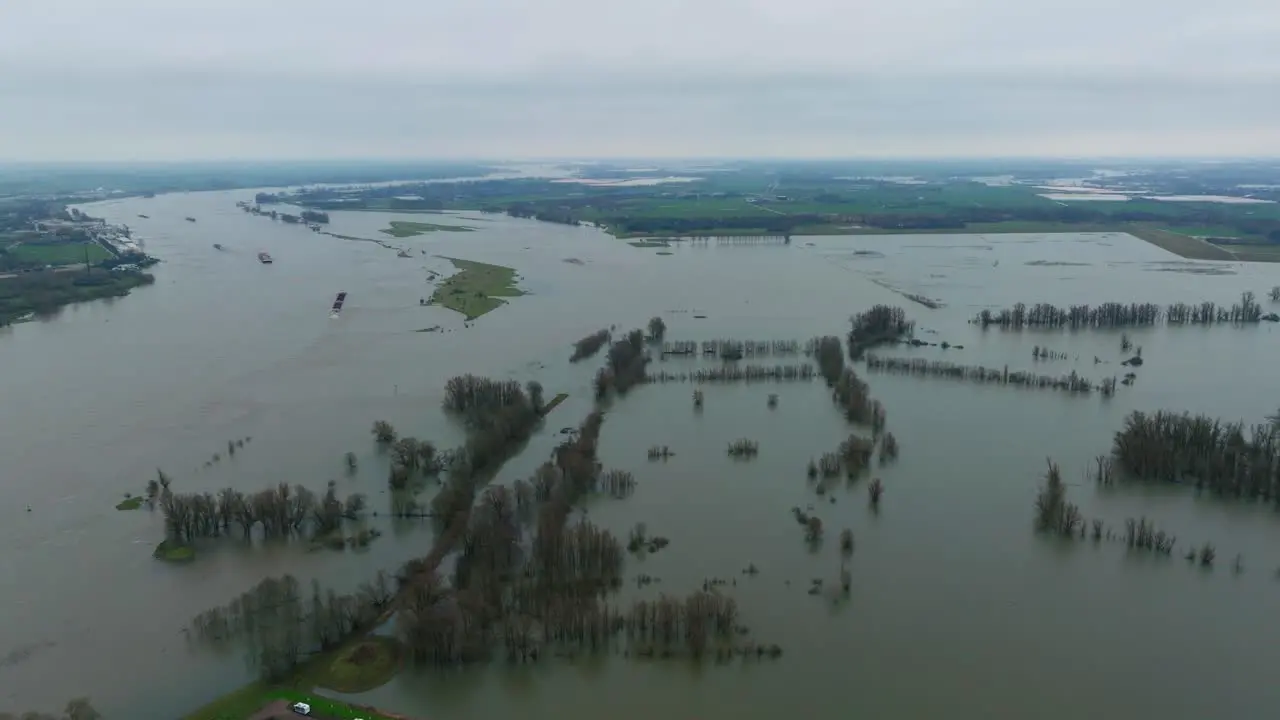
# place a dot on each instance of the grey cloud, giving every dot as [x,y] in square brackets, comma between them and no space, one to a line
[153,79]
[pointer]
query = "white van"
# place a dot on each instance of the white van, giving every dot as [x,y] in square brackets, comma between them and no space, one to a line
[301,708]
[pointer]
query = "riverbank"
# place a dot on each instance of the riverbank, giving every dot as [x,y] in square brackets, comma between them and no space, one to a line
[477,289]
[39,293]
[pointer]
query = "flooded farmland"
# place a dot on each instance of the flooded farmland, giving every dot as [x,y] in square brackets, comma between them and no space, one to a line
[955,604]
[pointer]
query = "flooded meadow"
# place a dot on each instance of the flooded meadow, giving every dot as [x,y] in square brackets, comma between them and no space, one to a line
[949,601]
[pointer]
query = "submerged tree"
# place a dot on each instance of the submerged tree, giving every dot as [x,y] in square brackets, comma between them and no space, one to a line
[881,324]
[1219,456]
[1053,512]
[589,345]
[830,356]
[533,389]
[657,328]
[383,432]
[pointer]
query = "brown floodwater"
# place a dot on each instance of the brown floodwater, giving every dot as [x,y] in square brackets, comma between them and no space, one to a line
[956,606]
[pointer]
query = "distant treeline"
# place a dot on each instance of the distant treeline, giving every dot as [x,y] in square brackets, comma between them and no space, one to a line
[659,211]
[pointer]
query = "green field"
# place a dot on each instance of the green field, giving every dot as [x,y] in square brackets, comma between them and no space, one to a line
[477,289]
[559,398]
[243,703]
[58,253]
[172,552]
[406,228]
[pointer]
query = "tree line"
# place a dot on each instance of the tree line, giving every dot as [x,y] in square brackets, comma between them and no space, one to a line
[1119,315]
[281,625]
[279,512]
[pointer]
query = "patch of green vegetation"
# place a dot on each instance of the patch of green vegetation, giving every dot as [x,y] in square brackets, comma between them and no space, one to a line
[130,503]
[248,700]
[476,289]
[336,540]
[174,552]
[363,666]
[65,253]
[333,708]
[44,292]
[406,228]
[559,398]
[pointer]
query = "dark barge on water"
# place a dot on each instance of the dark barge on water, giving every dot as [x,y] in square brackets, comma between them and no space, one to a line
[337,304]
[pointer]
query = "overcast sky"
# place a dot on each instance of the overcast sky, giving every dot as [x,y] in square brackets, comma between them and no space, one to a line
[244,79]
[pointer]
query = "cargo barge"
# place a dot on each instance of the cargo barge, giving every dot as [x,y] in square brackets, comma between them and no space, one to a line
[337,303]
[264,258]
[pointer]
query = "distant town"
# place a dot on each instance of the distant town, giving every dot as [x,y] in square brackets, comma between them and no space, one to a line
[52,255]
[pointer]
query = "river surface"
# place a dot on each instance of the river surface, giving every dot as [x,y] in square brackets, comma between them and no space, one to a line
[957,608]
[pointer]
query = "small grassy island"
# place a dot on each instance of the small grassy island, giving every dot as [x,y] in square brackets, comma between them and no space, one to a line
[406,228]
[131,503]
[362,666]
[477,289]
[171,551]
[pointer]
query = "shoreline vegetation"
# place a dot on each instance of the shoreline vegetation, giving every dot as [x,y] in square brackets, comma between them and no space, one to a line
[746,201]
[31,295]
[477,288]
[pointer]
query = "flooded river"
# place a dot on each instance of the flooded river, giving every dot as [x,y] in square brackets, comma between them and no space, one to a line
[957,609]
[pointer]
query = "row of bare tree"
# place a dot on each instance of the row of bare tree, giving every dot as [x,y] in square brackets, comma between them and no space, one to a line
[1118,315]
[281,627]
[283,511]
[1072,382]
